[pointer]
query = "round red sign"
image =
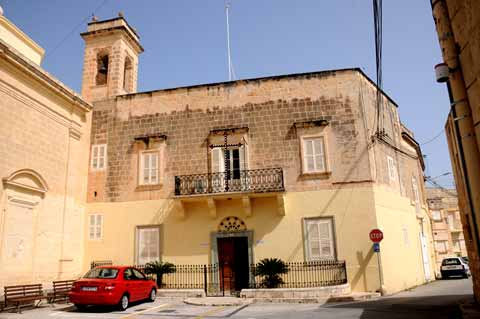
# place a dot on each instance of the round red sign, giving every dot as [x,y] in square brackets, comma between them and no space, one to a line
[376,235]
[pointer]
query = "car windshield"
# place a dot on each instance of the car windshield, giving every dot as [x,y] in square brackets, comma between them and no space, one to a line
[102,273]
[451,261]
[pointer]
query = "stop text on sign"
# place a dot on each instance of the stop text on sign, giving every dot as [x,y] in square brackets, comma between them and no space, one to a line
[376,235]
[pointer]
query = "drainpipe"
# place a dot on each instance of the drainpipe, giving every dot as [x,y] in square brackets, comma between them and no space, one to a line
[461,113]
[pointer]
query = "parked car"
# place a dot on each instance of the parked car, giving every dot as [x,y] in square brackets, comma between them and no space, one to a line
[112,285]
[454,266]
[465,259]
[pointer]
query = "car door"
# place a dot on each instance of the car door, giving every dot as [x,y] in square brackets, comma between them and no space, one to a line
[143,284]
[131,283]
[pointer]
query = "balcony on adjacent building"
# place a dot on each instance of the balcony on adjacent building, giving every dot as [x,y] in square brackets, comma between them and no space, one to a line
[245,181]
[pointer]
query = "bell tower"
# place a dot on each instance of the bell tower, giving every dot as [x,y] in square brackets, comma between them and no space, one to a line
[110,65]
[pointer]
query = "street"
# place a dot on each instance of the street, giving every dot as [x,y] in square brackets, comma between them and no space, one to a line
[435,300]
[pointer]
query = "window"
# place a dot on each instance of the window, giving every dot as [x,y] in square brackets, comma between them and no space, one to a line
[441,246]
[148,244]
[99,156]
[235,157]
[95,231]
[313,152]
[102,69]
[392,169]
[319,239]
[436,215]
[149,168]
[127,74]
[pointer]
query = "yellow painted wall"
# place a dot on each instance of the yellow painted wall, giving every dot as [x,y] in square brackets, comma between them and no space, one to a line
[187,240]
[402,262]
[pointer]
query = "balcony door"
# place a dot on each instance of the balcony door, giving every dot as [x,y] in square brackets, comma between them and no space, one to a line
[235,159]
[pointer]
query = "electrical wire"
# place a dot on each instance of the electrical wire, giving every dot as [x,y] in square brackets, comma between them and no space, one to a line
[50,52]
[433,138]
[378,21]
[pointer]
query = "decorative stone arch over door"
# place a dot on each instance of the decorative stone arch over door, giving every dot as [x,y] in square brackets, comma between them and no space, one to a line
[23,193]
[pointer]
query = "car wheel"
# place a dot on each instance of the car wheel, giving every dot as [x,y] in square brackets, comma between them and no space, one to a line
[153,295]
[465,275]
[81,307]
[123,304]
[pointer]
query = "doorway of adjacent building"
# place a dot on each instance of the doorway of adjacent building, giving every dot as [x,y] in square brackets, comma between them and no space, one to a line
[233,263]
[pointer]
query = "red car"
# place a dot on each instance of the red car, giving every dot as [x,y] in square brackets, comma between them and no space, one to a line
[112,285]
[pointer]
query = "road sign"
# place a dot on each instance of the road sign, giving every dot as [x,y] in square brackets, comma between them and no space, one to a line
[376,235]
[376,247]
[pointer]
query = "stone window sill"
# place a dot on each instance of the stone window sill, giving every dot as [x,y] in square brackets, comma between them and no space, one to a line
[315,175]
[152,187]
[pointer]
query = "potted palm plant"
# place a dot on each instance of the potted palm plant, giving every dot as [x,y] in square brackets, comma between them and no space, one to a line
[159,268]
[271,269]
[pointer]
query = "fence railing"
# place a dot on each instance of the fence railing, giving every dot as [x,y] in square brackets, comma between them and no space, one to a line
[211,279]
[257,180]
[308,274]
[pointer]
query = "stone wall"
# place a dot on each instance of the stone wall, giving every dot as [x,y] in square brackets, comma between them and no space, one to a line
[269,108]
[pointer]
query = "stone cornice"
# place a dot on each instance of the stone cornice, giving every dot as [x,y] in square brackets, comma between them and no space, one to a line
[17,59]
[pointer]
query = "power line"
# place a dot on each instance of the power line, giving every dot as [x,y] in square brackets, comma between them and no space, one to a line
[75,28]
[434,138]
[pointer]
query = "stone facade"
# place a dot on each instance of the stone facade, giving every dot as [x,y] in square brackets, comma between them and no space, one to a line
[447,227]
[372,176]
[45,130]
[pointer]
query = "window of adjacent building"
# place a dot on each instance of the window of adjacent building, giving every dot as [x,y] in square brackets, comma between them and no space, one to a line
[392,169]
[441,246]
[436,215]
[95,227]
[319,238]
[234,157]
[149,168]
[314,154]
[148,244]
[99,156]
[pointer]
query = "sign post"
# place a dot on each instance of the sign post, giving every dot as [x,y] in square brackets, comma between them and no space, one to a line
[376,236]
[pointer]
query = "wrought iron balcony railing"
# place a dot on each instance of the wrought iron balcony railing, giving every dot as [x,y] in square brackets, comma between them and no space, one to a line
[256,180]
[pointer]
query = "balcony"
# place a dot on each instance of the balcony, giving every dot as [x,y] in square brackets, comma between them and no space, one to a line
[246,181]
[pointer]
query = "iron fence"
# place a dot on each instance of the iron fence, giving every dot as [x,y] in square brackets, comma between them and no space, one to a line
[320,273]
[257,180]
[214,282]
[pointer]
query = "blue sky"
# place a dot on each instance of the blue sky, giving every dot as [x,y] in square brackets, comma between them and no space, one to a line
[185,44]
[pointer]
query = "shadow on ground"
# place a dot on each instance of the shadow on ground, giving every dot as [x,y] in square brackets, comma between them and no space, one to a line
[439,306]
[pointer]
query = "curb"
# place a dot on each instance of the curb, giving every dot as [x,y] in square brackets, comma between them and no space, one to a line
[217,302]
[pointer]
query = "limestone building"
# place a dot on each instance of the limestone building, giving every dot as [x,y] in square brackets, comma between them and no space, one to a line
[299,167]
[446,225]
[458,26]
[44,149]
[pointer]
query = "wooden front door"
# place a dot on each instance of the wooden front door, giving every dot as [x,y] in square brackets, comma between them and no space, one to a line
[233,263]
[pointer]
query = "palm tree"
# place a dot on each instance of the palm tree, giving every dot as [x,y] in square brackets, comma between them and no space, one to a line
[159,268]
[271,269]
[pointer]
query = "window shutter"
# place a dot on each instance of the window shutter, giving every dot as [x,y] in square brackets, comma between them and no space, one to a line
[320,241]
[243,157]
[319,154]
[148,245]
[154,168]
[308,156]
[326,240]
[91,230]
[314,240]
[218,164]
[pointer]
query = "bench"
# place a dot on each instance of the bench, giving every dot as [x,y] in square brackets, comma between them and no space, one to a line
[22,294]
[61,288]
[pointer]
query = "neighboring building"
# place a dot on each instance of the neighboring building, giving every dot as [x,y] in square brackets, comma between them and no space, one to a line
[45,136]
[446,225]
[310,169]
[458,27]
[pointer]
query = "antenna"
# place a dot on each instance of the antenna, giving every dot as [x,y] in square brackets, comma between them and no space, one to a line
[229,54]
